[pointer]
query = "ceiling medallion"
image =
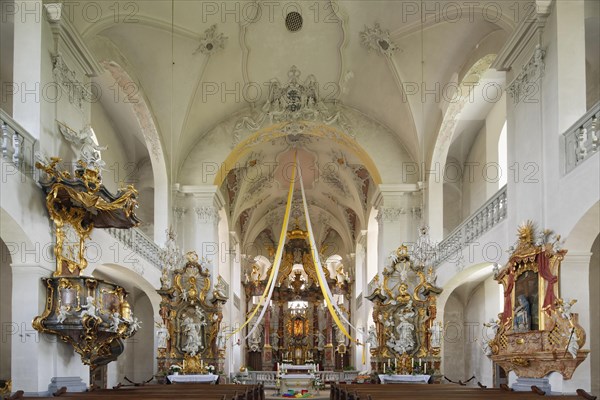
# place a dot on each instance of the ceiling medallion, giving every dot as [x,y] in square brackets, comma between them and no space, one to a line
[211,41]
[379,40]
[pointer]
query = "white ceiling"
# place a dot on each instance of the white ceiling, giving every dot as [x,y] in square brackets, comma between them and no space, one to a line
[190,93]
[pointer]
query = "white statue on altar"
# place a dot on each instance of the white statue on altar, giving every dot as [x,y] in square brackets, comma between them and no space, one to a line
[163,335]
[436,334]
[573,346]
[372,340]
[192,331]
[255,340]
[321,341]
[405,329]
[340,338]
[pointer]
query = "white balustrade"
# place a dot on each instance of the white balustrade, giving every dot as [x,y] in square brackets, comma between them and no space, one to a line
[481,221]
[17,145]
[139,243]
[581,140]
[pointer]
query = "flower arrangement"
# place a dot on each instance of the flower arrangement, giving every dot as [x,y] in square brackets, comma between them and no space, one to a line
[174,369]
[210,369]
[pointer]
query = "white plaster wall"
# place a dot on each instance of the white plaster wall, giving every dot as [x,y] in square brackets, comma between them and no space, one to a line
[454,343]
[6,57]
[594,333]
[473,182]
[116,156]
[143,341]
[494,122]
[483,305]
[7,329]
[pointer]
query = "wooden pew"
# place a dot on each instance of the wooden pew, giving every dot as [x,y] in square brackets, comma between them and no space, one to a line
[159,392]
[431,392]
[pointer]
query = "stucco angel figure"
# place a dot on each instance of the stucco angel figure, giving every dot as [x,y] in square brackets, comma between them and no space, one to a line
[134,324]
[115,321]
[89,308]
[564,307]
[63,313]
[89,151]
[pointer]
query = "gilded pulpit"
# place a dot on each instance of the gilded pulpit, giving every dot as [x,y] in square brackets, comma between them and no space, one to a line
[90,314]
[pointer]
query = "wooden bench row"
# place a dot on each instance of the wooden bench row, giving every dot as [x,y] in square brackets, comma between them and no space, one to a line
[438,392]
[159,392]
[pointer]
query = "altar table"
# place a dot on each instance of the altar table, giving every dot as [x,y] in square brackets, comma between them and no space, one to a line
[193,378]
[404,378]
[296,381]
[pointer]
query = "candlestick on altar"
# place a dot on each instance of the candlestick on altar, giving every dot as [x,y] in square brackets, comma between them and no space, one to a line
[412,362]
[420,362]
[396,364]
[425,368]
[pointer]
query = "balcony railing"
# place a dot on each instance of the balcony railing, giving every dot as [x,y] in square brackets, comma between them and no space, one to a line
[484,219]
[581,140]
[17,145]
[138,243]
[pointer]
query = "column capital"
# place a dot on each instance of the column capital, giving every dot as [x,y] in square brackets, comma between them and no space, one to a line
[201,194]
[207,214]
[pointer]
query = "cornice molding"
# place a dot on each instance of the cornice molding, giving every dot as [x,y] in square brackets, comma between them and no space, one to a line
[65,33]
[522,36]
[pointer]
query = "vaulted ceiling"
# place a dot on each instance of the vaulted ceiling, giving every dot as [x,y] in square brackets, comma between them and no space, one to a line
[197,64]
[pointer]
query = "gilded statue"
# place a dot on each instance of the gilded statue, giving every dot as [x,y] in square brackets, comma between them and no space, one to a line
[403,295]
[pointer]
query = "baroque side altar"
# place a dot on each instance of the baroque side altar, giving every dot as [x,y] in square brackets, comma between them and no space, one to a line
[189,335]
[536,333]
[406,338]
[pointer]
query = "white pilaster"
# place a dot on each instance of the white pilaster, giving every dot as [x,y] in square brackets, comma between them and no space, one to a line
[575,271]
[395,219]
[200,223]
[27,70]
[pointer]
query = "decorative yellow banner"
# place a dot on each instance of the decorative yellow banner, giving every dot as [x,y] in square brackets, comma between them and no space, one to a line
[320,274]
[266,296]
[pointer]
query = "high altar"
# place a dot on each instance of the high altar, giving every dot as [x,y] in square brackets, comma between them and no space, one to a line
[297,328]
